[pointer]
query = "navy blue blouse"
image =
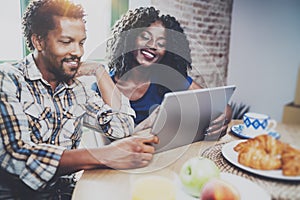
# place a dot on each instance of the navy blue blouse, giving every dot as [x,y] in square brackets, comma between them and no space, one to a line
[151,99]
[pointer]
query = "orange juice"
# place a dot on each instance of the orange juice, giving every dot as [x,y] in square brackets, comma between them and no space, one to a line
[153,188]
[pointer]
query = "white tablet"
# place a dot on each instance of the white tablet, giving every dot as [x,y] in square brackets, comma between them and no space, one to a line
[184,116]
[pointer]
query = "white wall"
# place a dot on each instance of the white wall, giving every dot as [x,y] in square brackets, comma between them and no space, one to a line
[11,31]
[98,28]
[265,53]
[138,3]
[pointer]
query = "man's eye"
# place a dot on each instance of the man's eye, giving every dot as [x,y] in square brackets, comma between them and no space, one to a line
[65,42]
[82,42]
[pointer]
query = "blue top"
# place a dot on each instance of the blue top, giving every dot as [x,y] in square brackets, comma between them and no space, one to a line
[151,99]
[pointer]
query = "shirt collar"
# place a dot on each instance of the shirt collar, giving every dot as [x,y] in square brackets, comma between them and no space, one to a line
[32,72]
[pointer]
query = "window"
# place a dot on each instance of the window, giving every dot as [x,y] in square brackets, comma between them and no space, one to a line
[101,15]
[98,27]
[11,31]
[119,7]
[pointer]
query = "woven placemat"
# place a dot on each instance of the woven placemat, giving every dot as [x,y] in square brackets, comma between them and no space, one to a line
[278,189]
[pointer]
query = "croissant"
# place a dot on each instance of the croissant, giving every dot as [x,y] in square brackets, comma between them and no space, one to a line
[266,153]
[269,144]
[248,143]
[258,158]
[291,162]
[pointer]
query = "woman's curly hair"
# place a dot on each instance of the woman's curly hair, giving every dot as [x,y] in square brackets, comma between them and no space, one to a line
[38,17]
[120,47]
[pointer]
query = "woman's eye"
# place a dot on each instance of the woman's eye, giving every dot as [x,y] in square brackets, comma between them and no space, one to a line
[161,45]
[145,36]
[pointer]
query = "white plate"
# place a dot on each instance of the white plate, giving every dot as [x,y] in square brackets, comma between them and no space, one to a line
[232,156]
[238,130]
[247,189]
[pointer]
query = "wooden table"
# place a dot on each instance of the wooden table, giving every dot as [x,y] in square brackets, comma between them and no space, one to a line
[115,185]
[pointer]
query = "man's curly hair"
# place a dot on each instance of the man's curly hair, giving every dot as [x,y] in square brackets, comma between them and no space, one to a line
[38,17]
[120,47]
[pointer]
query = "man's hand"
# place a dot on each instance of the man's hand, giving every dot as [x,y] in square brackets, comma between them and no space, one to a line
[128,153]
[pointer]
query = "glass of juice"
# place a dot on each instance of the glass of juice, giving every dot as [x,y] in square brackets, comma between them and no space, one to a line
[158,185]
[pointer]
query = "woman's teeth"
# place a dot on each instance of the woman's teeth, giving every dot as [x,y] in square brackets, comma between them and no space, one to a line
[148,54]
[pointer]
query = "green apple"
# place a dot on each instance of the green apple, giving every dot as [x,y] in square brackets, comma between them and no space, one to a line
[195,172]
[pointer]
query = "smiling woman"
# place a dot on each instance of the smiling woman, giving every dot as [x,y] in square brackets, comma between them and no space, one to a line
[149,56]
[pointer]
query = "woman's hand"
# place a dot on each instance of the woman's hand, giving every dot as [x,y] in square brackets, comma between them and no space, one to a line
[109,92]
[89,68]
[218,127]
[148,122]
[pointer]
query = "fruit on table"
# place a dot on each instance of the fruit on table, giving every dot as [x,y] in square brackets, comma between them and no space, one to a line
[195,172]
[217,189]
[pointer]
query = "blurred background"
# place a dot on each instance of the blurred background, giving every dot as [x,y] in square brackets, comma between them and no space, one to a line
[254,45]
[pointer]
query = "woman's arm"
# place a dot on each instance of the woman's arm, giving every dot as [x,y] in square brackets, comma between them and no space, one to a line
[109,92]
[117,116]
[194,86]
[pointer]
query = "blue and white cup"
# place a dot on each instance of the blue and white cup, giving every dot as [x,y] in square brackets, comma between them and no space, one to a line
[256,124]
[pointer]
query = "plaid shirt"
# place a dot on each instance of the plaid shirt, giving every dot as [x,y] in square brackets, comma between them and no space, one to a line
[38,124]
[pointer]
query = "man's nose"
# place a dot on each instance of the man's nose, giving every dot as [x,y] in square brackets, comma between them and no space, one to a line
[77,50]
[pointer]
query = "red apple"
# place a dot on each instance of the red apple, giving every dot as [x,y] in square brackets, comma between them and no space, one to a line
[217,189]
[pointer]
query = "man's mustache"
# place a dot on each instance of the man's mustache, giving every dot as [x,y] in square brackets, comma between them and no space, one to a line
[72,58]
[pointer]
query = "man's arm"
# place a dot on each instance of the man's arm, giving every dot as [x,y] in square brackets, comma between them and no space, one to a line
[128,153]
[36,164]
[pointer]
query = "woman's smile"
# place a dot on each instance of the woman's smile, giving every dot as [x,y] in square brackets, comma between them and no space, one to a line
[149,55]
[150,44]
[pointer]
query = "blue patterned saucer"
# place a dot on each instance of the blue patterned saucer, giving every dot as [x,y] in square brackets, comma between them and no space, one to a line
[238,131]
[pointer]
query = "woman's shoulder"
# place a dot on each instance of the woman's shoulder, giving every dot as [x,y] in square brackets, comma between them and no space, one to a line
[189,79]
[112,74]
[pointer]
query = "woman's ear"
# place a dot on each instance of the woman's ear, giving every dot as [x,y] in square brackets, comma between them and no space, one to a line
[37,42]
